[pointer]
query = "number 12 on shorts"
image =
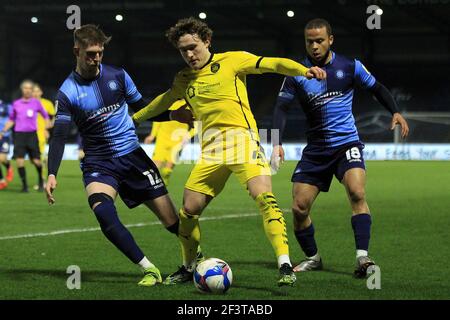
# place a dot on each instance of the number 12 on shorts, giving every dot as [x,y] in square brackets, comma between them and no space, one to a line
[353,153]
[153,177]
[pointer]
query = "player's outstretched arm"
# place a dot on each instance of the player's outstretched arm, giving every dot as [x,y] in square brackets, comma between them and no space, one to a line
[289,67]
[279,123]
[55,154]
[157,106]
[387,100]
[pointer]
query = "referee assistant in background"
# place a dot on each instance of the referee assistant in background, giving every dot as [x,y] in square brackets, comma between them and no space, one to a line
[23,117]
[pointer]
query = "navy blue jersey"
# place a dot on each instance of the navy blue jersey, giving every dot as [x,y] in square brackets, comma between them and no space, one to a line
[5,110]
[99,108]
[328,103]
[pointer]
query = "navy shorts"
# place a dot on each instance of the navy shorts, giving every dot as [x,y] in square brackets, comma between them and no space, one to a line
[5,144]
[135,177]
[319,164]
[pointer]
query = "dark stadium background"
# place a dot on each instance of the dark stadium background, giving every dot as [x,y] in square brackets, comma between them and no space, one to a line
[410,54]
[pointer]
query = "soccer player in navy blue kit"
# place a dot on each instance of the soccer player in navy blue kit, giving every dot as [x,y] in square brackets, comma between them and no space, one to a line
[333,145]
[96,97]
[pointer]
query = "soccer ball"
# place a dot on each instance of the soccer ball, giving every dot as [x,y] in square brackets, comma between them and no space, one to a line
[213,276]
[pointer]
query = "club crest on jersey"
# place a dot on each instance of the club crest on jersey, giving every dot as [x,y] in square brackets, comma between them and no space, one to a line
[191,92]
[340,74]
[215,67]
[113,85]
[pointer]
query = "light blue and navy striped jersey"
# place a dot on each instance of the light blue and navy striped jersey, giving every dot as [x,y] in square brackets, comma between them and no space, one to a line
[5,110]
[328,103]
[99,108]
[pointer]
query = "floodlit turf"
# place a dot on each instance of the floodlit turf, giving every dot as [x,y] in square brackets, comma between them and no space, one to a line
[410,202]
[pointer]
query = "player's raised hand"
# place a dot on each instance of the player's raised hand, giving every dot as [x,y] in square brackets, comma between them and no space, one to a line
[397,118]
[49,188]
[277,157]
[316,72]
[183,115]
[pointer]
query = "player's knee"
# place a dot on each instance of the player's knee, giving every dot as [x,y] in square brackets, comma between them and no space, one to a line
[105,212]
[357,195]
[96,199]
[301,209]
[192,209]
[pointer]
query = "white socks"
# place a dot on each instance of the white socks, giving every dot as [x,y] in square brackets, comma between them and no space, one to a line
[145,263]
[361,253]
[284,258]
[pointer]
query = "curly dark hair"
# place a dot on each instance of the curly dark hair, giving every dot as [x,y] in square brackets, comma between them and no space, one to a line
[188,26]
[319,23]
[89,34]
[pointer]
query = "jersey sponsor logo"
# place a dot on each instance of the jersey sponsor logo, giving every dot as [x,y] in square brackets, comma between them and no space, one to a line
[215,67]
[190,92]
[320,99]
[103,111]
[340,74]
[30,113]
[113,85]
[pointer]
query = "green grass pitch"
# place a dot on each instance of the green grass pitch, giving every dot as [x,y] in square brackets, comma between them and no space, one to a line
[410,203]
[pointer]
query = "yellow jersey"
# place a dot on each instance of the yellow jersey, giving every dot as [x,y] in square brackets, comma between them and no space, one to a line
[48,106]
[217,93]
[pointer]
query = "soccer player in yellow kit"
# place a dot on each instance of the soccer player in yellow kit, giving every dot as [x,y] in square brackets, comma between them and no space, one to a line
[42,131]
[214,86]
[170,136]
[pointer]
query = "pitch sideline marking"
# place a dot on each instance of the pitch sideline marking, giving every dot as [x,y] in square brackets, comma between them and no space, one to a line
[135,225]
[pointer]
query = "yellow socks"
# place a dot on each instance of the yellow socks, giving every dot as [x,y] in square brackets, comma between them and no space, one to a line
[274,224]
[165,174]
[189,235]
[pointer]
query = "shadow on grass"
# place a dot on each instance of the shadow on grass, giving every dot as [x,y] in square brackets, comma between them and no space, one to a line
[333,271]
[272,265]
[86,276]
[17,191]
[276,291]
[265,264]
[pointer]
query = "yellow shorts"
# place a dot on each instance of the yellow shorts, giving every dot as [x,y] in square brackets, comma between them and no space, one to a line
[42,142]
[210,178]
[166,152]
